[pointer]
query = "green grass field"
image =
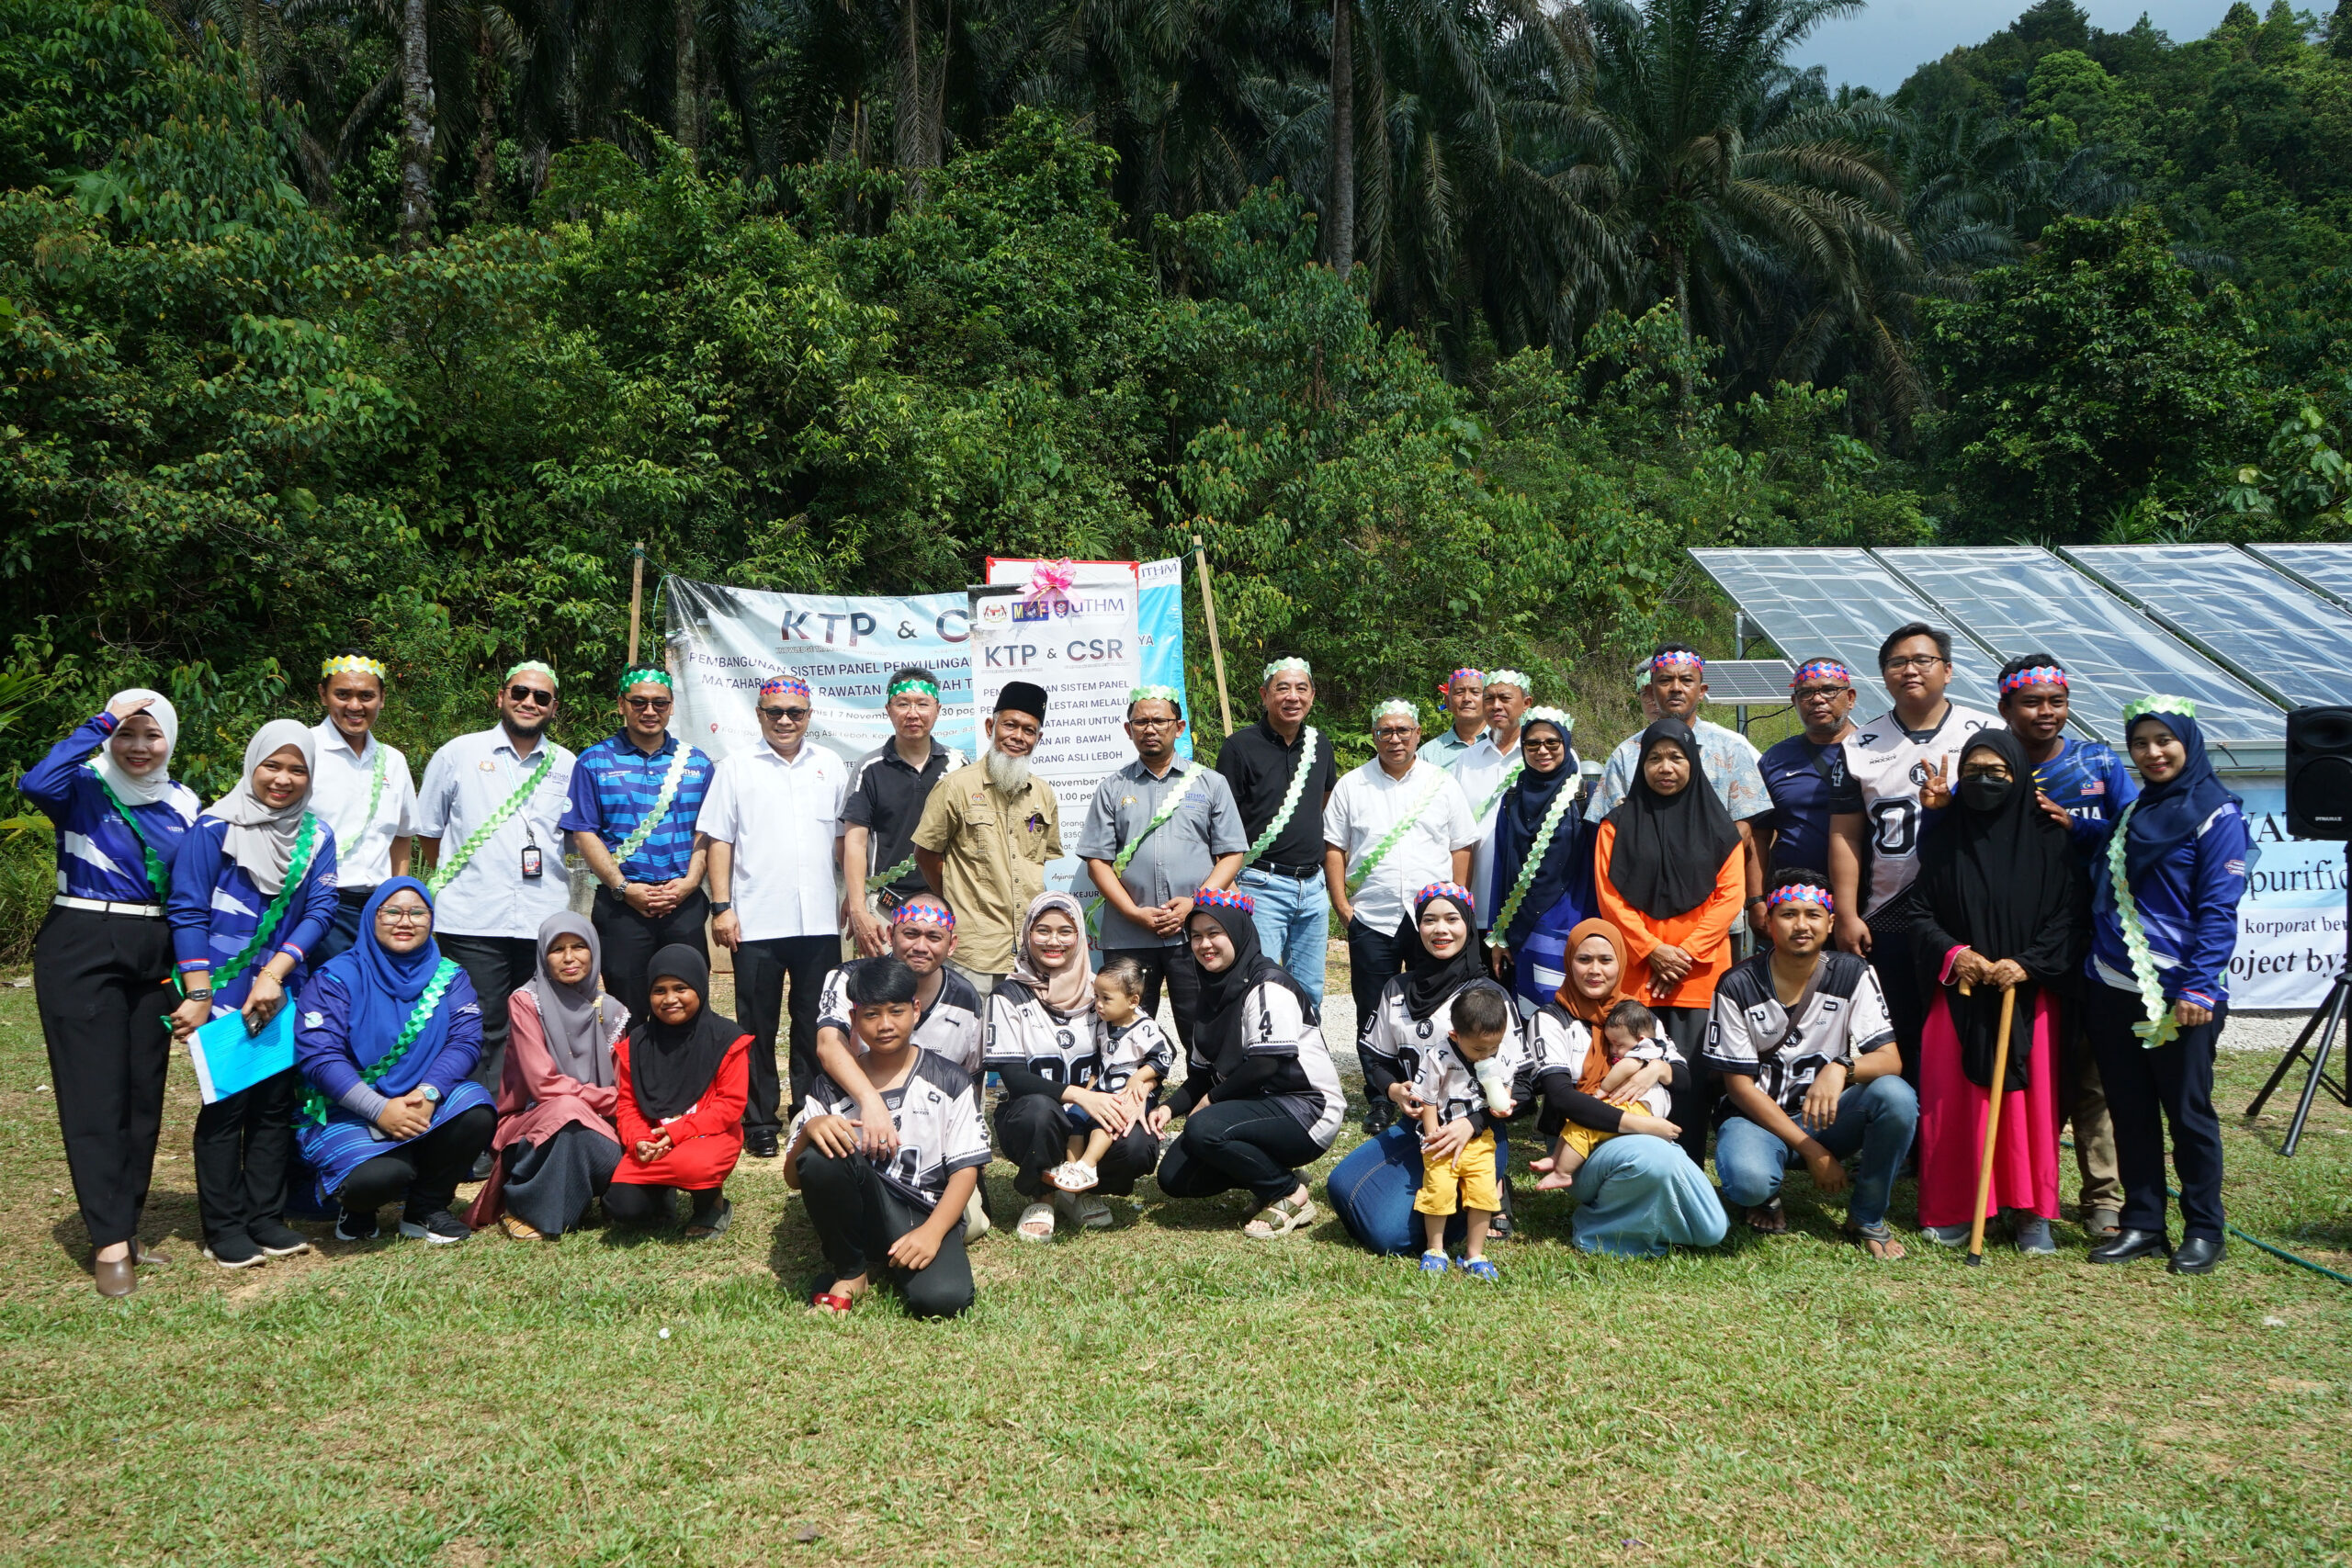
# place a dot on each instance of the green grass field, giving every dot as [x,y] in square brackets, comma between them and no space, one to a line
[1170,1393]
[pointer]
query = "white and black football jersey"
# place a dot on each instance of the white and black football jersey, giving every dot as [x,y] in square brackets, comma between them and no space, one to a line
[938,1120]
[1023,1033]
[1126,1052]
[950,1027]
[1840,1016]
[1441,1077]
[1558,1042]
[1885,765]
[1275,1023]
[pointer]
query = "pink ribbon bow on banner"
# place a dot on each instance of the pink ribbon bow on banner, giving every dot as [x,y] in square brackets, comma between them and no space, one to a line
[1052,581]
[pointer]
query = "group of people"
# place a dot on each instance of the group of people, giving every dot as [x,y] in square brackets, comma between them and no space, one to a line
[1518,943]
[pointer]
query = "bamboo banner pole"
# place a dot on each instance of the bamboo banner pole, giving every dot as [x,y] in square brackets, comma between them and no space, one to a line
[636,598]
[1216,650]
[1997,1093]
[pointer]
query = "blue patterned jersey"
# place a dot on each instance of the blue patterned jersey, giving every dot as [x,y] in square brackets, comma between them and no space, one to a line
[2091,782]
[614,784]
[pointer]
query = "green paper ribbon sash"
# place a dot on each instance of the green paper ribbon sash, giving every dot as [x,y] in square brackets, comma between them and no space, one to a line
[2161,1024]
[882,879]
[158,876]
[447,870]
[1535,854]
[1510,774]
[298,867]
[1290,798]
[315,1104]
[1388,841]
[660,810]
[1190,773]
[375,787]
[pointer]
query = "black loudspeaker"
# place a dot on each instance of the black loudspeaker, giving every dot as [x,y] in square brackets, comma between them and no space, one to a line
[2319,773]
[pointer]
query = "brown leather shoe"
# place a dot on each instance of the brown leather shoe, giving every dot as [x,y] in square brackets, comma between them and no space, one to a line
[150,1256]
[115,1278]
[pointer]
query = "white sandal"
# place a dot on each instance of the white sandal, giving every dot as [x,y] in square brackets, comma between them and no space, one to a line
[1074,1176]
[1280,1218]
[1090,1213]
[976,1218]
[1036,1223]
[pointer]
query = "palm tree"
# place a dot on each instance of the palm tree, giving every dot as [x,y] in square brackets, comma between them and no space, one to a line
[1736,174]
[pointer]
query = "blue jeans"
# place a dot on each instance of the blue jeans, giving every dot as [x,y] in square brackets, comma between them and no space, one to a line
[1876,1120]
[1293,921]
[1372,1190]
[1637,1196]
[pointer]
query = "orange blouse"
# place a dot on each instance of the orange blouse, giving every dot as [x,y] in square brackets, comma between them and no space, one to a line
[1703,933]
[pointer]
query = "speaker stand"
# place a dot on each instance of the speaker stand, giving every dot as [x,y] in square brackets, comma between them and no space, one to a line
[2323,1025]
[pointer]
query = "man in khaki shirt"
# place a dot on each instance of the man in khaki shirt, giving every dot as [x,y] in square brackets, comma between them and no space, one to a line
[986,831]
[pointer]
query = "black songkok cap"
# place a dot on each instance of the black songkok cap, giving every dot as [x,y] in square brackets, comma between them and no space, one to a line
[1022,696]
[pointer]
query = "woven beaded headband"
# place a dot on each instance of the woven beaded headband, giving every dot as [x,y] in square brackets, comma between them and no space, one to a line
[914,684]
[1477,675]
[1396,707]
[1168,695]
[646,676]
[922,912]
[1224,899]
[786,683]
[2156,703]
[1677,659]
[1813,669]
[1286,666]
[2034,675]
[352,664]
[1453,890]
[1801,893]
[1510,677]
[533,667]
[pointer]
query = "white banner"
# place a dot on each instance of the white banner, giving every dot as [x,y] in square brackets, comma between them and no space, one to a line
[2290,927]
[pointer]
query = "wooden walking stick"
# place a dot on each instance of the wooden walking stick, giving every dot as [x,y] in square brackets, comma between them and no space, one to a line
[1992,1124]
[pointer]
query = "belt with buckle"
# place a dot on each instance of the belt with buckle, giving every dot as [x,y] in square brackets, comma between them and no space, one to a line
[103,906]
[1295,872]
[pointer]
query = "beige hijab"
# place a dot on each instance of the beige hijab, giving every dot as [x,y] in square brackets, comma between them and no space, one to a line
[1069,990]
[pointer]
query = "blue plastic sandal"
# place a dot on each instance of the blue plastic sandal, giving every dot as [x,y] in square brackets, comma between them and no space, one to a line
[1435,1263]
[1479,1268]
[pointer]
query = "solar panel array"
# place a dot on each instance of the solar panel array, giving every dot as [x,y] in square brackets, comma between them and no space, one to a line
[1757,683]
[2246,633]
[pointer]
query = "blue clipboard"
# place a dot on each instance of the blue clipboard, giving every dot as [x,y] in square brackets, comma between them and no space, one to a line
[228,1059]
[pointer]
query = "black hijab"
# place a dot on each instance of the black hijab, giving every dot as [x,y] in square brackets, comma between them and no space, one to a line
[1430,981]
[1217,1027]
[671,1065]
[1998,875]
[1670,849]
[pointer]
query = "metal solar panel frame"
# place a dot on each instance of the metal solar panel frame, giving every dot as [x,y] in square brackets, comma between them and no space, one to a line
[2089,630]
[2325,570]
[2288,643]
[1849,624]
[1749,682]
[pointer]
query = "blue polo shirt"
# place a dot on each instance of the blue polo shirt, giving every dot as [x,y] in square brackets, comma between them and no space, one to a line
[1803,779]
[614,784]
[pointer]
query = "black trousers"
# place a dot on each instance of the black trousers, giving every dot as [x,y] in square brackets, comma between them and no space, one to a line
[1906,1004]
[1694,1106]
[102,986]
[343,929]
[499,967]
[1255,1143]
[1173,967]
[650,1204]
[2147,1089]
[1032,1130]
[422,1173]
[1373,958]
[630,941]
[760,971]
[857,1218]
[242,1145]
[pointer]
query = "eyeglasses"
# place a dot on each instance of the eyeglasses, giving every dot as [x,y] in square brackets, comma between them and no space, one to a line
[1915,662]
[405,916]
[1553,744]
[1155,723]
[1393,733]
[524,696]
[795,715]
[649,704]
[1822,693]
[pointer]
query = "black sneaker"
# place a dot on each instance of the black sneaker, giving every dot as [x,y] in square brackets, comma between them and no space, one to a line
[233,1250]
[280,1239]
[440,1227]
[483,1162]
[356,1226]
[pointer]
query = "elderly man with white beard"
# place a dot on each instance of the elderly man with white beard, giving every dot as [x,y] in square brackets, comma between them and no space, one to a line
[987,832]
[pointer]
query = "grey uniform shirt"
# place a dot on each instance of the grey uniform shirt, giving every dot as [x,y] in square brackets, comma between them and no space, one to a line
[1177,857]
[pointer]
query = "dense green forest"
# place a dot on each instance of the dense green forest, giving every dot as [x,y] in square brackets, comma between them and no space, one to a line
[1446,323]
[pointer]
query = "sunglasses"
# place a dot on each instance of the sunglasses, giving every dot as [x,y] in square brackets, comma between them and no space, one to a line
[795,715]
[524,696]
[649,704]
[1546,745]
[1820,693]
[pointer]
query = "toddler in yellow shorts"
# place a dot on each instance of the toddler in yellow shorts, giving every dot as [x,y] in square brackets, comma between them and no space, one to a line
[1473,1076]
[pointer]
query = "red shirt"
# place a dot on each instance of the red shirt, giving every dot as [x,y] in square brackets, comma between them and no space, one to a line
[706,1141]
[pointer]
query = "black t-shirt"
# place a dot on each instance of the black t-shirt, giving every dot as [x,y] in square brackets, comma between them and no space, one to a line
[1259,767]
[886,798]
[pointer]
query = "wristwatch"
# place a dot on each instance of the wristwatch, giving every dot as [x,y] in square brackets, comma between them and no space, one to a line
[722,908]
[430,1093]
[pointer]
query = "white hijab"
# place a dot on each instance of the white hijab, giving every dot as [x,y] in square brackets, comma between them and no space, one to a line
[155,783]
[261,840]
